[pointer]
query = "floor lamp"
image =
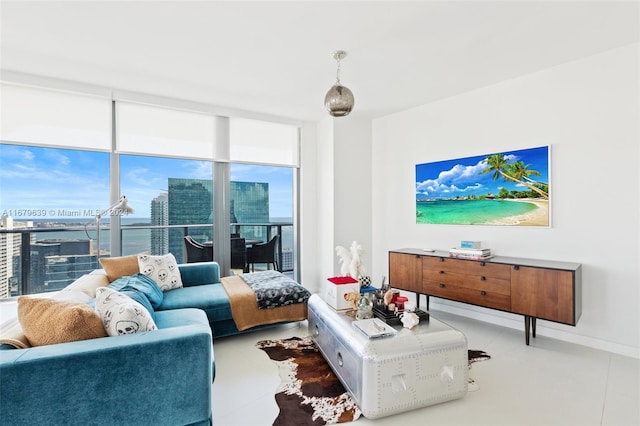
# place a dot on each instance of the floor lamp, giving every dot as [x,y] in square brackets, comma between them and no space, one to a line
[119,208]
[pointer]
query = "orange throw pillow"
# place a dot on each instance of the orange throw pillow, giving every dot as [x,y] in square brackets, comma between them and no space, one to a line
[117,267]
[48,321]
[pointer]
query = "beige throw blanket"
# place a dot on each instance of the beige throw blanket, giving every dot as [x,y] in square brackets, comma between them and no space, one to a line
[246,313]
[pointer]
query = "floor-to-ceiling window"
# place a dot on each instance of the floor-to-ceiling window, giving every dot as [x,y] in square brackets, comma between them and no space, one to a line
[47,189]
[165,192]
[54,173]
[262,206]
[72,154]
[265,155]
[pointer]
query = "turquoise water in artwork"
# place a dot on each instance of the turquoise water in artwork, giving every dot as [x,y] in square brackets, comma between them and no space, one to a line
[469,212]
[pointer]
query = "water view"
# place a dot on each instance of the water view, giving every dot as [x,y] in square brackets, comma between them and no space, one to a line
[470,212]
[133,240]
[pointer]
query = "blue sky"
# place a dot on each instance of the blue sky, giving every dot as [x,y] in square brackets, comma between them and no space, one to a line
[48,181]
[460,177]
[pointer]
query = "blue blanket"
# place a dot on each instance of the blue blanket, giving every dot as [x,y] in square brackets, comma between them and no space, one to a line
[273,289]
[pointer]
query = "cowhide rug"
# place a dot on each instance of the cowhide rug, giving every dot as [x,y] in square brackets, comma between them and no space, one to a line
[310,393]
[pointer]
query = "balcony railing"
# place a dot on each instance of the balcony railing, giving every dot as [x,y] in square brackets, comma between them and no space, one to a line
[31,266]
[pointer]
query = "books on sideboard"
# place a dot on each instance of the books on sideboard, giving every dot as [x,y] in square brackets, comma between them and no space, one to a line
[470,253]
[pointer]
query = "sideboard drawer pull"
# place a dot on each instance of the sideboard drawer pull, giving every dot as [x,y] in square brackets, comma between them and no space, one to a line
[441,272]
[483,278]
[441,285]
[483,293]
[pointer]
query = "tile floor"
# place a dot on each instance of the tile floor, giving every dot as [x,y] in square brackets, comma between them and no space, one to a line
[548,383]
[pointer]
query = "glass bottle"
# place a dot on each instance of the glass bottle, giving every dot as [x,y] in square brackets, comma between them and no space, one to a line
[365,307]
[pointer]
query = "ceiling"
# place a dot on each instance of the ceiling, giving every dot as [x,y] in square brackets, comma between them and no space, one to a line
[276,57]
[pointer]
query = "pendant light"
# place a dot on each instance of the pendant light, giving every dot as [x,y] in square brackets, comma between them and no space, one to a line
[339,99]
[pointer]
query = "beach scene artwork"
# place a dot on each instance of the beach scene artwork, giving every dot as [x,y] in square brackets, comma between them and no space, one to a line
[508,188]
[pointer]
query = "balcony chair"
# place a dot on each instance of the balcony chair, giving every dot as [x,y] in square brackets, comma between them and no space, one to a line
[197,252]
[239,254]
[264,253]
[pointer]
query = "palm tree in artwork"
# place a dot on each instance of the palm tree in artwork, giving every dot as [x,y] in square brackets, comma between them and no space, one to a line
[519,170]
[498,164]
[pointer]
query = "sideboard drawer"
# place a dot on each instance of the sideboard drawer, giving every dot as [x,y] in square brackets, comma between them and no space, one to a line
[472,282]
[477,297]
[467,267]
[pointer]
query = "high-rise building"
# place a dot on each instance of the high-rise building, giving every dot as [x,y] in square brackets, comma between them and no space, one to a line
[7,252]
[160,217]
[56,263]
[10,246]
[250,204]
[190,202]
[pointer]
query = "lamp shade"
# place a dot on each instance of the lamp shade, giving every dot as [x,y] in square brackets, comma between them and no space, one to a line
[122,207]
[339,100]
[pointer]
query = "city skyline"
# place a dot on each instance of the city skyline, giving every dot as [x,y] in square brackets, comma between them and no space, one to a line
[53,183]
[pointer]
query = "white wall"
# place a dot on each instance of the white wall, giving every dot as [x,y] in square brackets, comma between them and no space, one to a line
[342,190]
[587,110]
[325,202]
[352,182]
[308,206]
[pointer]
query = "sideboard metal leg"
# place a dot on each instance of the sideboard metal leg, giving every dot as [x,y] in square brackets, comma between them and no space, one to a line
[527,325]
[533,326]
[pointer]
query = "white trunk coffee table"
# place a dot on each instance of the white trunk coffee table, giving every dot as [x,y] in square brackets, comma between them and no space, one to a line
[414,368]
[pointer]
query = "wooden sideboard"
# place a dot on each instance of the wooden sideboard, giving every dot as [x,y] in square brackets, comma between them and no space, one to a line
[544,289]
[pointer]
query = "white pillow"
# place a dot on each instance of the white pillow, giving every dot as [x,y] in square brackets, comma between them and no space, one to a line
[120,314]
[88,284]
[162,269]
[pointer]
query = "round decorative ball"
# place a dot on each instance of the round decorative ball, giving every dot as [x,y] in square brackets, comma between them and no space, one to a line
[365,281]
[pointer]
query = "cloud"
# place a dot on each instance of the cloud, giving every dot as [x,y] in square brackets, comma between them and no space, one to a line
[458,180]
[55,158]
[199,169]
[141,176]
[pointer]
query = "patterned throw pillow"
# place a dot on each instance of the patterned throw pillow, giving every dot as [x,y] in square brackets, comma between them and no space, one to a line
[120,314]
[162,269]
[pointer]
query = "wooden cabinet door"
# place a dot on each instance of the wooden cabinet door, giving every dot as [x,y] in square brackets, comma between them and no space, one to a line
[405,271]
[543,293]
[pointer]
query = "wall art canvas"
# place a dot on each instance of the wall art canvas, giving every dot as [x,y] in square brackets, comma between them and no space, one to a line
[505,188]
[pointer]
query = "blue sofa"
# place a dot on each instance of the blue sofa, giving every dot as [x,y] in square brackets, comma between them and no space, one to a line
[161,377]
[202,289]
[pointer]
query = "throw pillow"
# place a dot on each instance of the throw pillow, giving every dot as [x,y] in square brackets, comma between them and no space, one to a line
[122,266]
[47,321]
[71,296]
[88,284]
[140,288]
[121,314]
[162,269]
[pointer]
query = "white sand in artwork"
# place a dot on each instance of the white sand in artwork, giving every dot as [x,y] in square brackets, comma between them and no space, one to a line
[537,217]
